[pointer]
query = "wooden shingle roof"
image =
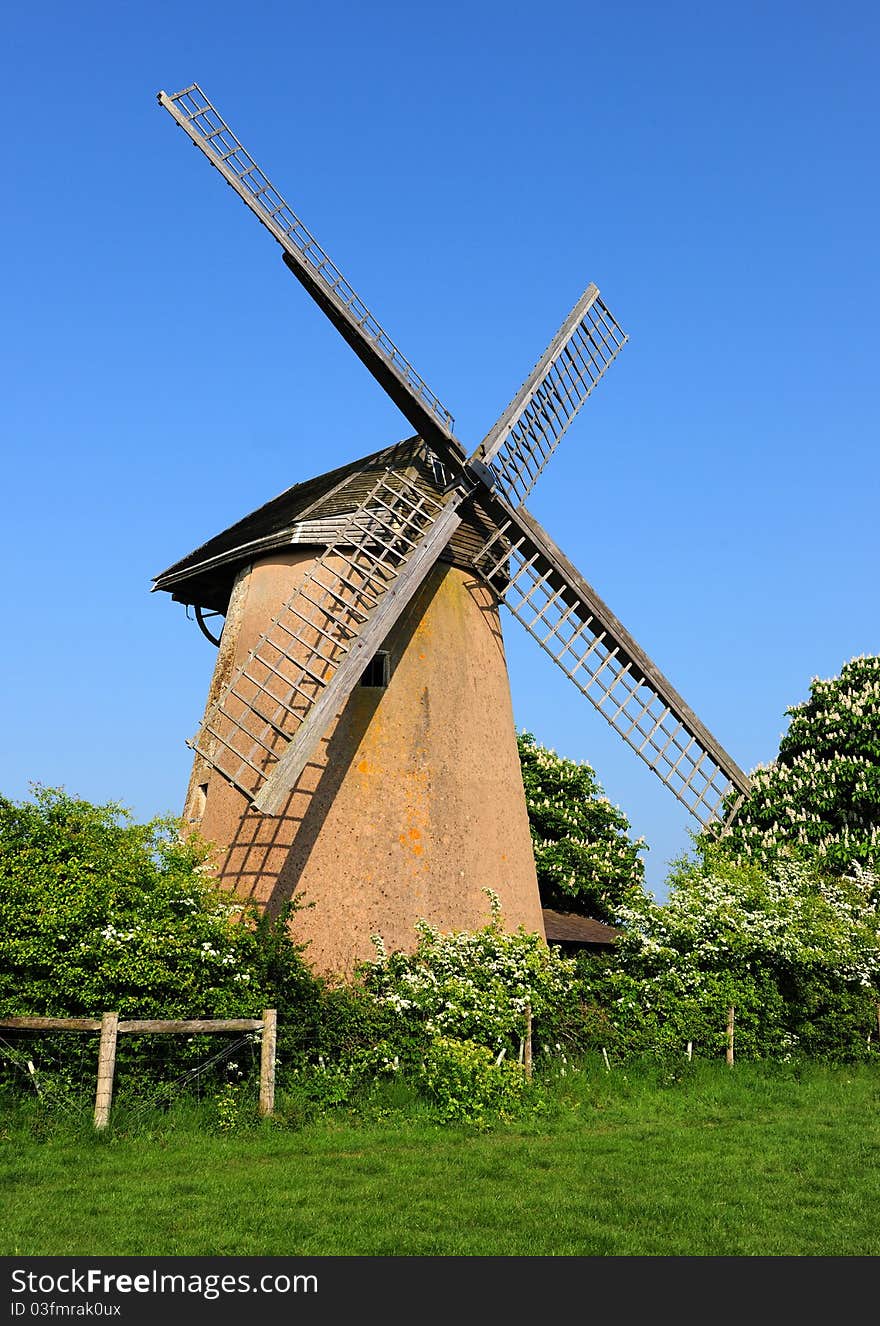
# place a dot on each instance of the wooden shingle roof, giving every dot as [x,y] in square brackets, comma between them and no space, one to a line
[567,928]
[307,515]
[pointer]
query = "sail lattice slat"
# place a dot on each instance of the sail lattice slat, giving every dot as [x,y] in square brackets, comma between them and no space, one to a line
[586,641]
[271,694]
[526,435]
[211,134]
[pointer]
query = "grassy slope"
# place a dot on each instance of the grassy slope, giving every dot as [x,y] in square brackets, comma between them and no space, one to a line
[749,1162]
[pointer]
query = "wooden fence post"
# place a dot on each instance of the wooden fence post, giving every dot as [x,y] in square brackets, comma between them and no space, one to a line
[730,1036]
[267,1061]
[106,1066]
[527,1052]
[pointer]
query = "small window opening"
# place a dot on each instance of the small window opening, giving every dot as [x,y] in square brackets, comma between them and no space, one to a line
[440,476]
[377,671]
[200,800]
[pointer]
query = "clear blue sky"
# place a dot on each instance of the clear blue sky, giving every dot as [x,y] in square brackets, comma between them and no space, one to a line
[470,167]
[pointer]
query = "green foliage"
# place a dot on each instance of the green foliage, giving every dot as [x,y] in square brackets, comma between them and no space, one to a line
[344,1022]
[454,1014]
[316,1086]
[468,1084]
[471,985]
[585,859]
[98,912]
[235,1108]
[821,795]
[795,951]
[777,913]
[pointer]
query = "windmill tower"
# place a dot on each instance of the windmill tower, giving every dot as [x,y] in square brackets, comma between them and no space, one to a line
[358,746]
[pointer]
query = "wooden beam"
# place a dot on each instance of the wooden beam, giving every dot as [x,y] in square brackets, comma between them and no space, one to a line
[52,1024]
[194,1025]
[267,1061]
[313,268]
[501,429]
[628,649]
[134,1025]
[527,1047]
[384,369]
[106,1066]
[276,789]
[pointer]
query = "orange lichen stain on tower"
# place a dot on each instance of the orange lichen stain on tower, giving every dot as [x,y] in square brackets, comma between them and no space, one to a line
[364,767]
[414,834]
[412,838]
[455,595]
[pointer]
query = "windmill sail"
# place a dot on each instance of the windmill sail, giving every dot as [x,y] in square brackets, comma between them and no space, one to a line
[557,607]
[267,722]
[265,725]
[519,445]
[195,114]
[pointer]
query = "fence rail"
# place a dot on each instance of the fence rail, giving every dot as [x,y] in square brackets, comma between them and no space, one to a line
[111,1026]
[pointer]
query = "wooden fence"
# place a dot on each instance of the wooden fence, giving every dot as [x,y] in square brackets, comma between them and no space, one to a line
[111,1026]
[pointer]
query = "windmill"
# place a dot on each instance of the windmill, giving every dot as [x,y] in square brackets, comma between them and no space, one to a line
[329,585]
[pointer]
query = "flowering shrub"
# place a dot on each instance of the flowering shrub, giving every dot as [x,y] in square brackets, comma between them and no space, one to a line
[449,1019]
[585,859]
[821,795]
[795,951]
[472,986]
[99,912]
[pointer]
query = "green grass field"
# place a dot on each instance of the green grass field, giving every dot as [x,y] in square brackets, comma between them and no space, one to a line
[749,1161]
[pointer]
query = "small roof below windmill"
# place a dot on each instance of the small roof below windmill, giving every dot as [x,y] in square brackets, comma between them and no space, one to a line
[574,932]
[311,513]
